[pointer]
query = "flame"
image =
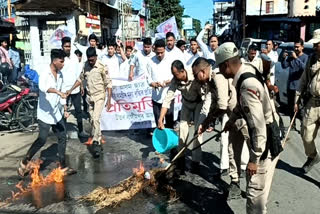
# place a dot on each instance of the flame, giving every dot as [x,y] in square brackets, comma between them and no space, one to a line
[139,171]
[37,180]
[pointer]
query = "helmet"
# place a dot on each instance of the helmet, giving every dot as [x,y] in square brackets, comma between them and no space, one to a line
[5,69]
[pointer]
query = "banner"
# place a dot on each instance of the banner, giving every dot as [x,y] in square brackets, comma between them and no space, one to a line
[58,34]
[132,106]
[169,26]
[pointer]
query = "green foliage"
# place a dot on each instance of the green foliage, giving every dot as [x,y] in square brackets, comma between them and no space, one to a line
[196,25]
[161,10]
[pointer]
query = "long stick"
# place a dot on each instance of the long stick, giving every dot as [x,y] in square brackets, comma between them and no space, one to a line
[287,135]
[206,141]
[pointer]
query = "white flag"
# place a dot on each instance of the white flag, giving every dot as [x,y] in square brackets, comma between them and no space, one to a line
[169,26]
[58,34]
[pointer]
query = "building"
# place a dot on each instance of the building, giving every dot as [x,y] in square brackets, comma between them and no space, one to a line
[7,10]
[223,15]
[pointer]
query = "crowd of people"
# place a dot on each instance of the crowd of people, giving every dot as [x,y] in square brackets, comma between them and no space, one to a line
[215,84]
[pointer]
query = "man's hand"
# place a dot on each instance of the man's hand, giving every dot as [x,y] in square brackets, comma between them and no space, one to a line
[296,108]
[263,50]
[81,91]
[252,168]
[108,105]
[119,42]
[130,76]
[155,84]
[160,124]
[275,89]
[285,54]
[68,92]
[66,114]
[62,95]
[228,126]
[208,27]
[294,55]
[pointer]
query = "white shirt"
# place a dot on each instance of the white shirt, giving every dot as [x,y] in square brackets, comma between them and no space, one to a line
[113,63]
[175,54]
[190,58]
[71,72]
[50,109]
[159,71]
[208,53]
[140,60]
[274,59]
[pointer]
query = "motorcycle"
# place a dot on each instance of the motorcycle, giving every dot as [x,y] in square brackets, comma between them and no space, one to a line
[18,107]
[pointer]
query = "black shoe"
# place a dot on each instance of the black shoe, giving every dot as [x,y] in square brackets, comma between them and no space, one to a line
[195,167]
[234,190]
[310,163]
[224,172]
[96,149]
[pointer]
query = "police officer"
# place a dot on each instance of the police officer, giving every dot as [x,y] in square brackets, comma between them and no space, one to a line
[256,108]
[183,81]
[223,102]
[98,82]
[310,83]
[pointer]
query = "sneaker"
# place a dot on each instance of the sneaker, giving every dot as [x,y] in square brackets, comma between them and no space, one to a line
[310,163]
[23,169]
[234,190]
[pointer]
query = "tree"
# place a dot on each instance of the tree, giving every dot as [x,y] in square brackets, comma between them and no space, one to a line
[196,25]
[161,10]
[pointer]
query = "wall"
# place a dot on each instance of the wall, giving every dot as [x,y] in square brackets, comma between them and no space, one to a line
[253,7]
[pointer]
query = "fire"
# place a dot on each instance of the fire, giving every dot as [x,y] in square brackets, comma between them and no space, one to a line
[139,171]
[37,180]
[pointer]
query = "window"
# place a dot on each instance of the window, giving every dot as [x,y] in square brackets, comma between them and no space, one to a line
[269,7]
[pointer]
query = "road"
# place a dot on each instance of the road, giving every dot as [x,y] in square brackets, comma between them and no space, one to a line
[292,191]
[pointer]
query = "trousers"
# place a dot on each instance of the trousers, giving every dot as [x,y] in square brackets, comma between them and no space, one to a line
[95,110]
[76,101]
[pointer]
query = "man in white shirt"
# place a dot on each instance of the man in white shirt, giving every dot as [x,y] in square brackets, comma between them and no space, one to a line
[273,55]
[193,53]
[159,78]
[113,60]
[50,113]
[141,59]
[172,51]
[71,72]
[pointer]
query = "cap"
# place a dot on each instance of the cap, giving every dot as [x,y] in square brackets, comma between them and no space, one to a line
[224,52]
[316,37]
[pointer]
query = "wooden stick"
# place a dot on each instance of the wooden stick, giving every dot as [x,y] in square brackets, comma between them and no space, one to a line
[206,141]
[287,135]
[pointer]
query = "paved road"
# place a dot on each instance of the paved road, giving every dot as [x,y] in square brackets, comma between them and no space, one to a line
[292,192]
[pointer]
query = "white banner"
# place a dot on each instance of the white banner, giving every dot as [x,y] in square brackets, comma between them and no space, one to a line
[132,106]
[58,34]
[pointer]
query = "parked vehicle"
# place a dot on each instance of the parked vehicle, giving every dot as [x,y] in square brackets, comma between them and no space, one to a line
[259,42]
[282,74]
[18,107]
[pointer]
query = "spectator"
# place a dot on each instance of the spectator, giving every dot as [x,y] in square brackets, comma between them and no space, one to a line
[273,55]
[15,59]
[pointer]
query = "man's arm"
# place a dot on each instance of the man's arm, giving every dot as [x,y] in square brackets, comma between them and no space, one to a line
[108,85]
[202,45]
[44,87]
[123,56]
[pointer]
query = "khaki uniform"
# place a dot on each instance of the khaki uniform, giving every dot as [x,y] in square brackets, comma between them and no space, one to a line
[98,81]
[256,107]
[256,62]
[191,104]
[311,117]
[232,151]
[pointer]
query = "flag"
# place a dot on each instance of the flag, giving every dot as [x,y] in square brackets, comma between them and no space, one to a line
[58,34]
[169,25]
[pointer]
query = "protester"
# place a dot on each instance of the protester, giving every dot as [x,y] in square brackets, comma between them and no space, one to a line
[235,152]
[159,78]
[50,113]
[71,72]
[310,94]
[141,59]
[113,60]
[253,58]
[15,59]
[181,45]
[183,81]
[255,107]
[296,62]
[172,51]
[98,84]
[193,53]
[4,54]
[208,50]
[273,55]
[78,53]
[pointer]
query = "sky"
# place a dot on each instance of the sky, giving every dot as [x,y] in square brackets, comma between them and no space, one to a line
[193,8]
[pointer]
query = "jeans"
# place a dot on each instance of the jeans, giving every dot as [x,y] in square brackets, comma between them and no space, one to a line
[60,131]
[169,116]
[76,101]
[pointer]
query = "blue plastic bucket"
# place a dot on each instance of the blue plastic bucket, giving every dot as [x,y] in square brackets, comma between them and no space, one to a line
[164,140]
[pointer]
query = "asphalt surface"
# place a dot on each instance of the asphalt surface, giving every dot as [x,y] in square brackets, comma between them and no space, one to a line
[205,192]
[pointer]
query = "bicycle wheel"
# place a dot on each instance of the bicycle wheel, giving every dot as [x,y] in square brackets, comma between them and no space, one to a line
[26,113]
